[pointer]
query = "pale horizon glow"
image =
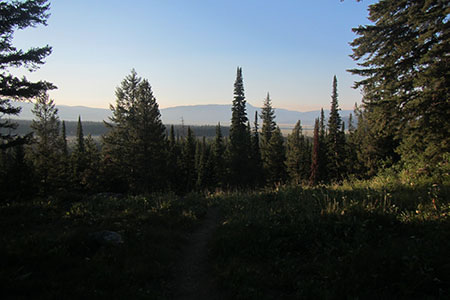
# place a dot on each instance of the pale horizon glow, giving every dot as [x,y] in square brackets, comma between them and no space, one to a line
[189,50]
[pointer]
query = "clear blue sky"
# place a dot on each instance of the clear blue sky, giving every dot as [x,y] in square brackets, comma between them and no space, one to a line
[189,50]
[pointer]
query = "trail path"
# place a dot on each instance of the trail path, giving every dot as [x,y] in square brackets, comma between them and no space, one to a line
[193,278]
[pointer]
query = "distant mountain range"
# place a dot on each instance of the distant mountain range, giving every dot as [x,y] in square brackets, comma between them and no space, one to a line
[209,114]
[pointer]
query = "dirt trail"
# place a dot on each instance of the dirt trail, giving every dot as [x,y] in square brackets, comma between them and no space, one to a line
[193,277]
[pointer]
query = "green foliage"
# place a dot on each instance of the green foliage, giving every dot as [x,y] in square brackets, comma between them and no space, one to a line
[315,243]
[403,58]
[298,156]
[335,140]
[18,15]
[46,152]
[136,142]
[49,252]
[238,154]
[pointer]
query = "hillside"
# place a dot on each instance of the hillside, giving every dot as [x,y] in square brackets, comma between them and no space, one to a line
[209,114]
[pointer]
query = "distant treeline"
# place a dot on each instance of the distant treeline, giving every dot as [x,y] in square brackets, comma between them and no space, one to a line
[99,128]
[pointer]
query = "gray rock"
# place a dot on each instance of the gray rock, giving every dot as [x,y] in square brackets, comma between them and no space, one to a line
[106,237]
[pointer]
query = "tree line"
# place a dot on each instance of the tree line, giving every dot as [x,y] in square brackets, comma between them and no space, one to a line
[402,122]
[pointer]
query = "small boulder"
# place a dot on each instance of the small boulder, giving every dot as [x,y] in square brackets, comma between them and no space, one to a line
[106,237]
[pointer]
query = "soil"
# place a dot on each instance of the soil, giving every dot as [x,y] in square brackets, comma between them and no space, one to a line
[194,278]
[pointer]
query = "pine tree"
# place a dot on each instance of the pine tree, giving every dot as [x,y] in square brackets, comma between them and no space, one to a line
[268,127]
[297,152]
[403,59]
[275,167]
[202,171]
[255,158]
[46,152]
[17,15]
[89,178]
[189,167]
[136,144]
[335,140]
[78,156]
[315,159]
[323,154]
[239,146]
[217,157]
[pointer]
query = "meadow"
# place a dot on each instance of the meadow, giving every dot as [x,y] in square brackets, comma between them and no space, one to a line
[359,240]
[355,241]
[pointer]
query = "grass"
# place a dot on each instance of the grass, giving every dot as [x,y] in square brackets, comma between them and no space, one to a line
[334,242]
[48,253]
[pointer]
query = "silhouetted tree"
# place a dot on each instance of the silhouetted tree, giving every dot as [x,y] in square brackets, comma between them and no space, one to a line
[46,152]
[403,59]
[17,15]
[136,142]
[335,140]
[239,146]
[297,155]
[315,158]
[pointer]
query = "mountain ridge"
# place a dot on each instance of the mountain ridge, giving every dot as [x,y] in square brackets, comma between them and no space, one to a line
[204,114]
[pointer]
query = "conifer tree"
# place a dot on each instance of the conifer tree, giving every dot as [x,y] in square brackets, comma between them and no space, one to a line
[89,178]
[189,167]
[78,155]
[174,161]
[268,127]
[46,152]
[217,157]
[136,143]
[18,15]
[335,141]
[275,165]
[403,59]
[297,152]
[256,161]
[202,170]
[315,163]
[239,146]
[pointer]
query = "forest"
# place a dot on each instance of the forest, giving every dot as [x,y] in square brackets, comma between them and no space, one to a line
[360,210]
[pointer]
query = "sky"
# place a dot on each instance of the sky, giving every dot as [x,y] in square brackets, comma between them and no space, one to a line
[189,50]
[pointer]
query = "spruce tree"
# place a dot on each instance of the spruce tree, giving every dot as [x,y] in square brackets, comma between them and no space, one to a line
[256,161]
[403,59]
[335,141]
[297,152]
[275,165]
[89,178]
[78,155]
[188,161]
[268,127]
[18,15]
[217,157]
[315,157]
[239,146]
[136,143]
[46,152]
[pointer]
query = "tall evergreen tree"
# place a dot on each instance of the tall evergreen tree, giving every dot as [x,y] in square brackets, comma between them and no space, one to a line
[189,166]
[297,156]
[136,141]
[217,156]
[268,127]
[239,146]
[315,158]
[335,139]
[403,58]
[46,152]
[275,165]
[256,161]
[78,155]
[18,15]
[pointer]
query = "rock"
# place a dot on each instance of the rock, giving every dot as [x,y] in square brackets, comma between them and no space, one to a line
[107,237]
